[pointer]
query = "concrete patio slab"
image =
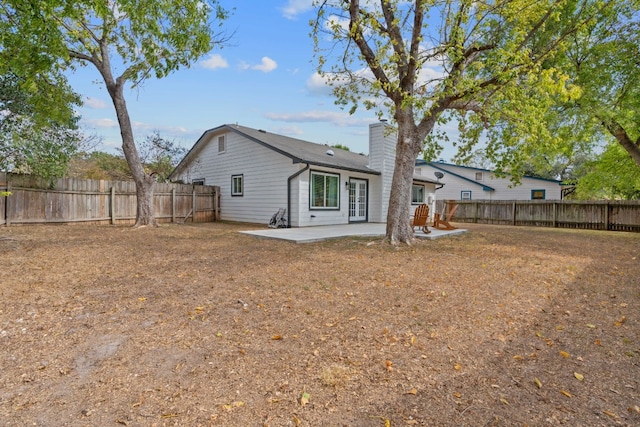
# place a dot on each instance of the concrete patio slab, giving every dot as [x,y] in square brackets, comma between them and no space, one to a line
[324,232]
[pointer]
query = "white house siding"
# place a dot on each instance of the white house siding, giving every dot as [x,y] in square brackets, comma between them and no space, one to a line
[311,217]
[265,187]
[454,185]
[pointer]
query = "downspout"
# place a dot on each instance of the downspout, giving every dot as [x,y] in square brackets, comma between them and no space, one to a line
[306,168]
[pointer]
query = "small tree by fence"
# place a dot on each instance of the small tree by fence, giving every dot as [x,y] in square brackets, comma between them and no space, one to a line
[615,215]
[70,200]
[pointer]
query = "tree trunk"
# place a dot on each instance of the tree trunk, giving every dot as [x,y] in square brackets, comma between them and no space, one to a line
[408,147]
[623,138]
[145,213]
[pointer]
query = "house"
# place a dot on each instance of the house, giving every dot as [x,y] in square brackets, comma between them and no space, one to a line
[259,172]
[469,183]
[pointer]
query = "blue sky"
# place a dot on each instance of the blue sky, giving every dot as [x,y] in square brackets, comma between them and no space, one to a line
[265,78]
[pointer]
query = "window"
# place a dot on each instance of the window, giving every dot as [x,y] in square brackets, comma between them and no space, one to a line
[417,194]
[199,181]
[237,185]
[478,176]
[538,194]
[465,195]
[222,145]
[325,188]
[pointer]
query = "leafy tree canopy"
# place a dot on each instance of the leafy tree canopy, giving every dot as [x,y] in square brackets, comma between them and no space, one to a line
[599,61]
[431,61]
[127,41]
[159,157]
[612,175]
[37,135]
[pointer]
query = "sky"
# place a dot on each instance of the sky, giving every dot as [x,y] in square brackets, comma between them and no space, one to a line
[264,78]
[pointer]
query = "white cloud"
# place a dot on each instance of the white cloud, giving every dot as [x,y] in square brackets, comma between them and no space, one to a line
[296,7]
[95,103]
[318,85]
[101,123]
[337,21]
[266,65]
[335,117]
[214,61]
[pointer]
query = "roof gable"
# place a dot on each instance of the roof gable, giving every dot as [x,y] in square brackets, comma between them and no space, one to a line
[464,178]
[447,167]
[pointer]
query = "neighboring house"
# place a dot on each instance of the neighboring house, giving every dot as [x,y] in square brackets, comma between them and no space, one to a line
[468,183]
[259,172]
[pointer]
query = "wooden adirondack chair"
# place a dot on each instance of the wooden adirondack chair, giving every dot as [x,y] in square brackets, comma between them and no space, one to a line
[441,222]
[420,218]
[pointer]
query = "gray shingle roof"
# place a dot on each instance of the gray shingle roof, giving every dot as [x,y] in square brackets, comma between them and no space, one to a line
[307,152]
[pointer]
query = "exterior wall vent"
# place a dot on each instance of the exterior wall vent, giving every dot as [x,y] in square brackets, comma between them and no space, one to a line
[329,153]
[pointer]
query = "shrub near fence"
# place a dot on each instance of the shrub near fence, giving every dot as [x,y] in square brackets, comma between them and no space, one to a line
[615,215]
[70,200]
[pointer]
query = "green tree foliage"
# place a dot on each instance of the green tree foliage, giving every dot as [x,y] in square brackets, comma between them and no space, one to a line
[341,146]
[613,175]
[127,41]
[159,157]
[429,61]
[601,62]
[99,165]
[36,137]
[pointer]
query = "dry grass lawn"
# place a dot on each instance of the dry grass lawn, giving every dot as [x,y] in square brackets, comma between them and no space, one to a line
[197,325]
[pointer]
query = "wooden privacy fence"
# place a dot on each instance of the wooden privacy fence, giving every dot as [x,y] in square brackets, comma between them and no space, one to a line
[71,200]
[623,215]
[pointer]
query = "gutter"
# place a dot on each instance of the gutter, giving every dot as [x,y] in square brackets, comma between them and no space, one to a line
[306,168]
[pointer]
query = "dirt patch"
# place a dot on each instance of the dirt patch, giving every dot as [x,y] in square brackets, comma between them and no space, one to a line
[200,325]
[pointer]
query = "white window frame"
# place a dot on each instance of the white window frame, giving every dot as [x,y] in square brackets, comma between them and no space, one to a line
[222,144]
[417,200]
[234,190]
[479,176]
[312,199]
[199,181]
[465,195]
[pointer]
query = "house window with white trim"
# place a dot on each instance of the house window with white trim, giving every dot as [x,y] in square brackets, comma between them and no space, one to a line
[237,185]
[478,176]
[465,195]
[325,190]
[417,194]
[222,144]
[538,194]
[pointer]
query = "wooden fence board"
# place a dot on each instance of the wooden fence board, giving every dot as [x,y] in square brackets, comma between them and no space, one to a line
[69,200]
[614,215]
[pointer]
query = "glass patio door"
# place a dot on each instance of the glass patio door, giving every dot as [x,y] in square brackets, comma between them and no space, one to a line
[357,200]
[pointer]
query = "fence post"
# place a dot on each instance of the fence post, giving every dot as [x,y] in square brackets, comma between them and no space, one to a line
[112,205]
[173,205]
[193,206]
[606,215]
[7,219]
[555,214]
[514,216]
[216,203]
